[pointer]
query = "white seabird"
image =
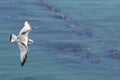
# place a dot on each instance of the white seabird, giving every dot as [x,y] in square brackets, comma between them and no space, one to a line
[23,40]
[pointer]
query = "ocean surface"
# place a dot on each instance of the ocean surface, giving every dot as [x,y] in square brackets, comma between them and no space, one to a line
[73,39]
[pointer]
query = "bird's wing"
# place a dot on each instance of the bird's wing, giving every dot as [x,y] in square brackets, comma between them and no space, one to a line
[25,30]
[23,52]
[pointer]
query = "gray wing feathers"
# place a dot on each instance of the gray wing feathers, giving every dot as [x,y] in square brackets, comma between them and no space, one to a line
[23,52]
[26,29]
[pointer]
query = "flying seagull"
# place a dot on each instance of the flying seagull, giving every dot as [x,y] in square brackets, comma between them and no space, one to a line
[23,40]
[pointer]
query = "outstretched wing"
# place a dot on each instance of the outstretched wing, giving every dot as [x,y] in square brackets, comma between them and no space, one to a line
[26,29]
[23,52]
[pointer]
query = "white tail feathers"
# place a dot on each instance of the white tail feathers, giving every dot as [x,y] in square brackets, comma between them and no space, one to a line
[13,38]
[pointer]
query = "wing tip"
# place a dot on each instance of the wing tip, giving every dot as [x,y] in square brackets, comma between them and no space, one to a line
[22,63]
[10,37]
[13,38]
[26,21]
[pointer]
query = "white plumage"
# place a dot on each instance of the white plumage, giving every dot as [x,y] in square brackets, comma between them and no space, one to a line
[23,41]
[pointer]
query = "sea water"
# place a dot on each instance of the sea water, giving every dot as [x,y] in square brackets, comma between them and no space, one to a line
[73,39]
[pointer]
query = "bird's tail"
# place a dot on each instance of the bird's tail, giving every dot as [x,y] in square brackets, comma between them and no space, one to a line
[13,38]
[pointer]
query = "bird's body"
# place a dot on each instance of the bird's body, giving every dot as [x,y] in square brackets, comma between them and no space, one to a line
[23,40]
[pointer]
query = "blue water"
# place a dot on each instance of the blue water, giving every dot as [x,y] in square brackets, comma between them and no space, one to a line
[73,40]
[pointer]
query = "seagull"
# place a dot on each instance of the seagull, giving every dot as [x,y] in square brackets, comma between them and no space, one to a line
[23,41]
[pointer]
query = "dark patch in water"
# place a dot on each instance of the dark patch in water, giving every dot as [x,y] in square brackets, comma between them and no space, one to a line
[59,14]
[67,47]
[88,32]
[46,4]
[93,57]
[52,8]
[72,25]
[75,50]
[27,78]
[115,54]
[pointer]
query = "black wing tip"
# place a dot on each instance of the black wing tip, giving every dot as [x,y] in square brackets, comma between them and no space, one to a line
[10,37]
[27,20]
[22,63]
